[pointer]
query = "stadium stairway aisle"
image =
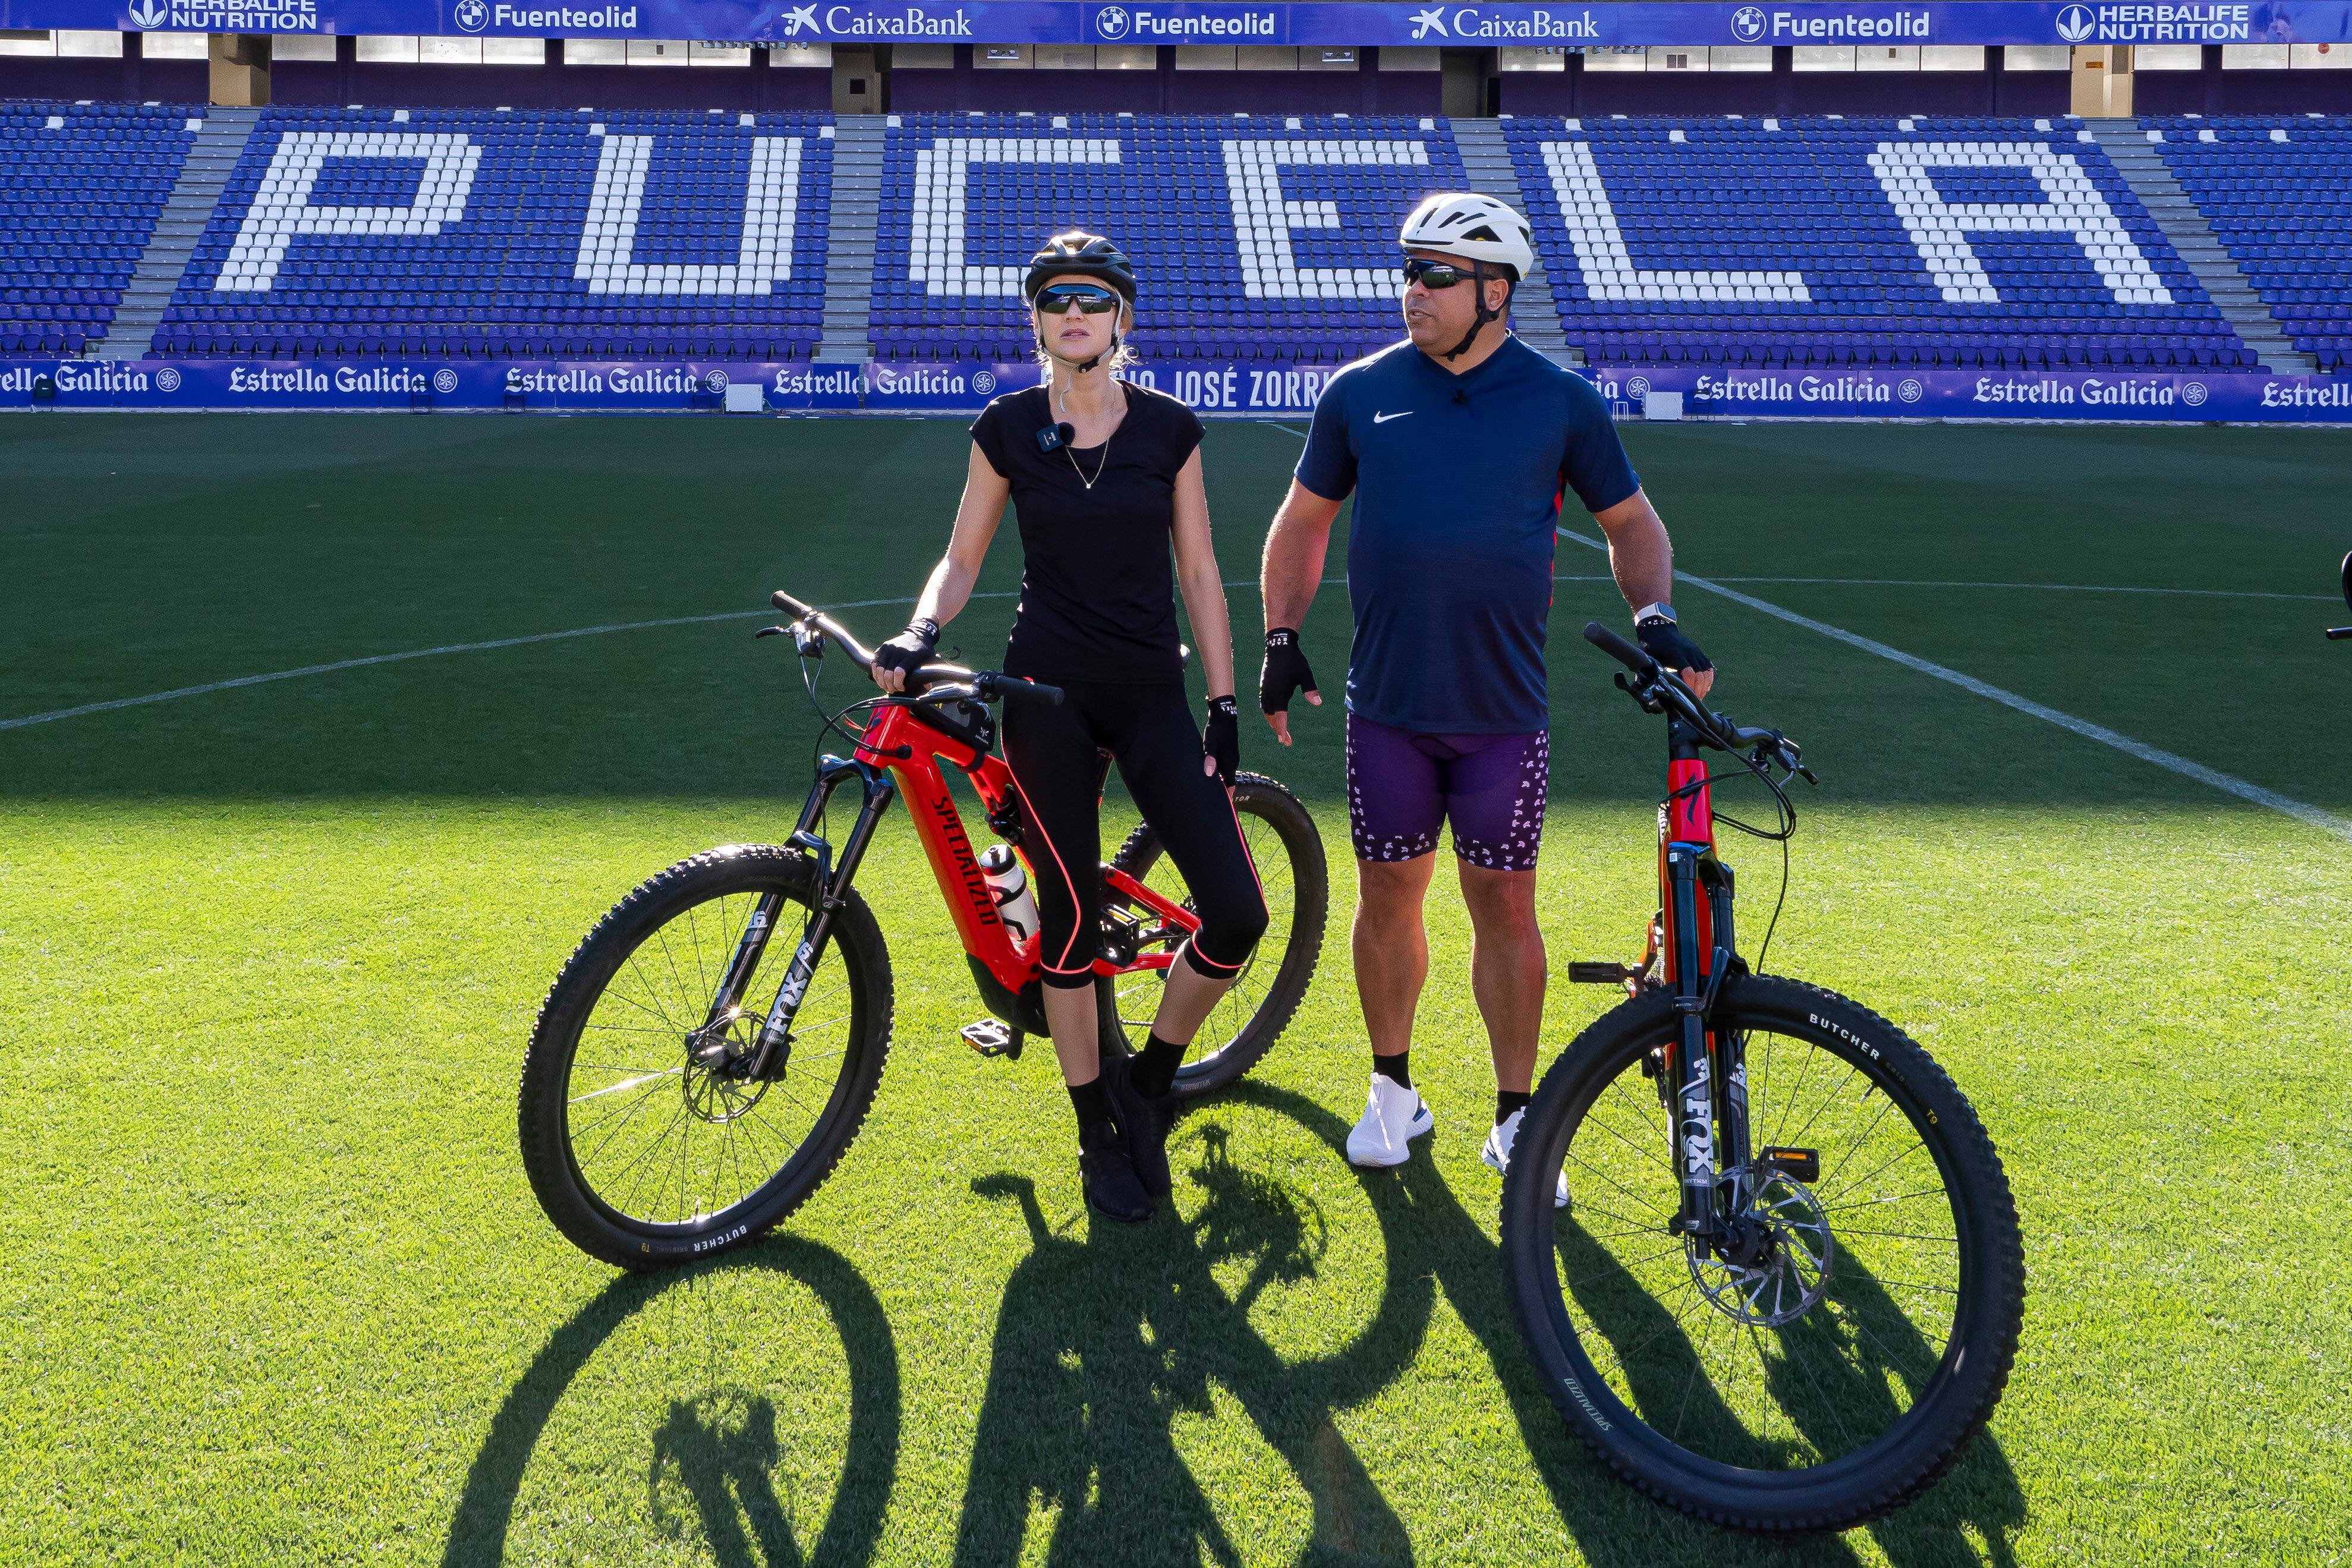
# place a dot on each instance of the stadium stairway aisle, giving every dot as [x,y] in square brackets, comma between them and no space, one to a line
[1535,314]
[2274,190]
[849,258]
[219,143]
[2128,147]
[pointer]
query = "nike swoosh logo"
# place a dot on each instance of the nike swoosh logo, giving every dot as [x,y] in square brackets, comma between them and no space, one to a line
[1384,418]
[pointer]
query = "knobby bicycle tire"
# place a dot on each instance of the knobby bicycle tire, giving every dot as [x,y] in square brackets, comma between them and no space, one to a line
[1949,1407]
[544,1102]
[1263,799]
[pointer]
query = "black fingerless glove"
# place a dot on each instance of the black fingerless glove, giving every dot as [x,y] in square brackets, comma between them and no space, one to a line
[1221,738]
[1284,671]
[910,649]
[1663,641]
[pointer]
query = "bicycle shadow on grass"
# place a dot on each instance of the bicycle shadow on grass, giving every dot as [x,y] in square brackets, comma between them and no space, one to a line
[716,1447]
[1105,1339]
[1614,1526]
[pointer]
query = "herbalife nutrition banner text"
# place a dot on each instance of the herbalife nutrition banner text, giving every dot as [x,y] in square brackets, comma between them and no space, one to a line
[1082,22]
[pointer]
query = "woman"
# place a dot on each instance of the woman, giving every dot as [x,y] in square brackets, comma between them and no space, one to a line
[1105,477]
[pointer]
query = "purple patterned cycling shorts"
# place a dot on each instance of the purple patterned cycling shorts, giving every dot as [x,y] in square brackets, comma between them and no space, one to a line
[1401,785]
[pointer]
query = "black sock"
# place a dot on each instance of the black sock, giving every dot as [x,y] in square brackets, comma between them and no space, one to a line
[1396,1068]
[1153,1073]
[1506,1101]
[1091,1101]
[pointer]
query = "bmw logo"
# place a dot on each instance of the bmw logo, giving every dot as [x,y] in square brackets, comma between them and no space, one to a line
[168,380]
[471,16]
[2193,393]
[1748,24]
[1638,386]
[984,381]
[444,381]
[1909,390]
[1112,22]
[2075,23]
[715,381]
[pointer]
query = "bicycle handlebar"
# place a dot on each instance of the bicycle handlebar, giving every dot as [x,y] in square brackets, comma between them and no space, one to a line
[1656,683]
[985,683]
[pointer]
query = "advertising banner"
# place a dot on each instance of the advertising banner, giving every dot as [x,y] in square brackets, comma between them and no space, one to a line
[1311,22]
[1238,388]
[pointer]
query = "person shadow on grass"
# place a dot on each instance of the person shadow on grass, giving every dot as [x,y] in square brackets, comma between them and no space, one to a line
[1103,1341]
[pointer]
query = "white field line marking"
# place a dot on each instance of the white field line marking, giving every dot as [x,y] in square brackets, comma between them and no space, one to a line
[2326,821]
[410,653]
[108,707]
[2037,587]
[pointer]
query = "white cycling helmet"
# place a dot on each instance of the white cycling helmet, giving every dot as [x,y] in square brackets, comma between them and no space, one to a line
[1475,227]
[1482,231]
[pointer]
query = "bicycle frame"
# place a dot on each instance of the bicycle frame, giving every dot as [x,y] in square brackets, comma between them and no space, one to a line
[901,753]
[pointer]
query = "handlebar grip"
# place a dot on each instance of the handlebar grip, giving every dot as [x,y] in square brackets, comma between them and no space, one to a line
[1618,648]
[790,606]
[1030,690]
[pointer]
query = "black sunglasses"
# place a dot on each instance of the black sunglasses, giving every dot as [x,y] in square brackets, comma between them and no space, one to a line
[1058,298]
[1434,274]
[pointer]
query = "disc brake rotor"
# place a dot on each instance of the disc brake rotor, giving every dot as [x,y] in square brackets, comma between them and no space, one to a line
[1779,1267]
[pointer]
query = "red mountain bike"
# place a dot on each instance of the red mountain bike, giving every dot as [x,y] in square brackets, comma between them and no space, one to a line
[1788,1288]
[667,1114]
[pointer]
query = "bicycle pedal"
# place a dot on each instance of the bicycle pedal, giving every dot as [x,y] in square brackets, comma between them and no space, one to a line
[1587,973]
[993,1038]
[1797,1164]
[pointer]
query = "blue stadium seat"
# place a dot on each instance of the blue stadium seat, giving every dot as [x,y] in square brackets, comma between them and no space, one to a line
[474,234]
[1855,242]
[2276,193]
[81,187]
[1253,238]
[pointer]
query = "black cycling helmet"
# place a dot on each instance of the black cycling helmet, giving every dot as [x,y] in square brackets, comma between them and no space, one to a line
[1086,255]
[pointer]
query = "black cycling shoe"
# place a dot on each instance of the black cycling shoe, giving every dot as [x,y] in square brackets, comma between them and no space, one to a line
[1144,1122]
[1107,1171]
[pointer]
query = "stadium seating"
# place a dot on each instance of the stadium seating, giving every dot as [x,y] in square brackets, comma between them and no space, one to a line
[1260,238]
[1833,242]
[81,186]
[2277,196]
[1753,243]
[459,234]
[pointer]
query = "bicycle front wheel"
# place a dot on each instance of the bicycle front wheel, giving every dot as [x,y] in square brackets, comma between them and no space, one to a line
[1833,1362]
[1293,874]
[650,1133]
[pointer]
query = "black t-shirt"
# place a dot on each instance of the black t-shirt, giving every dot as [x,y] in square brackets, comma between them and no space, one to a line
[1098,593]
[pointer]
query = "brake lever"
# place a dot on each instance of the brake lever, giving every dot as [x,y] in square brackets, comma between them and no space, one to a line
[1645,692]
[770,632]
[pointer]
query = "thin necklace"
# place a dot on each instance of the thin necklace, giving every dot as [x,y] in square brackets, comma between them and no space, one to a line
[1100,465]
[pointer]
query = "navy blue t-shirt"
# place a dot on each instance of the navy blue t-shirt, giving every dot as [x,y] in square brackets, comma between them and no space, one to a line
[1458,481]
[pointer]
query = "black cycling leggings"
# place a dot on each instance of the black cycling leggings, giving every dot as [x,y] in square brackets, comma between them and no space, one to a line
[1150,729]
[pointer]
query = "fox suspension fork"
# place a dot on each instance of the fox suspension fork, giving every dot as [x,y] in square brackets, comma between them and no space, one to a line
[1708,1068]
[773,1047]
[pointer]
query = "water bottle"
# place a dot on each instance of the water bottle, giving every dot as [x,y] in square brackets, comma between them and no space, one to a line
[1009,885]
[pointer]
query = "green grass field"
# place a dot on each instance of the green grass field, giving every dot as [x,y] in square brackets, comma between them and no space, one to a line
[277,1291]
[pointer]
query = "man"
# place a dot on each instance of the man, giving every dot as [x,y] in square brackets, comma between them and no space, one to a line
[1459,445]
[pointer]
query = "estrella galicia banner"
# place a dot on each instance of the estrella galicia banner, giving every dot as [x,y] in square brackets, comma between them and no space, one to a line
[1265,391]
[1314,21]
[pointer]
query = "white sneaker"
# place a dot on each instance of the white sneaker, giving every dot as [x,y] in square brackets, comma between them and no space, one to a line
[1393,1117]
[1497,1153]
